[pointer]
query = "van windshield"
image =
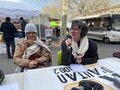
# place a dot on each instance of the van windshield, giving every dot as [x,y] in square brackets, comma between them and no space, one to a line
[116,24]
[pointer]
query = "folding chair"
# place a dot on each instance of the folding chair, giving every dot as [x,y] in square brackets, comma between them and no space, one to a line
[59,57]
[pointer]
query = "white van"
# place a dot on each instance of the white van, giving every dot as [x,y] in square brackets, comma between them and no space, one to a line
[105,27]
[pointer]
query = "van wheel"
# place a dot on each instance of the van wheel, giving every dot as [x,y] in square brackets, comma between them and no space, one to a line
[106,40]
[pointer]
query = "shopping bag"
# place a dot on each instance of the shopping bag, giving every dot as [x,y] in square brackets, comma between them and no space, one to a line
[1,36]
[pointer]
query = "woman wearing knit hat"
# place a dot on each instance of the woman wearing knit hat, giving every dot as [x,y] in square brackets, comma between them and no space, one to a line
[31,52]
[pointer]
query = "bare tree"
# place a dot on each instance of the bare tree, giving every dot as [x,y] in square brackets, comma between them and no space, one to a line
[58,11]
[76,7]
[84,7]
[54,10]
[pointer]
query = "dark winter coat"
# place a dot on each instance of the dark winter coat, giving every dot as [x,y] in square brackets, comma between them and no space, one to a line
[23,24]
[91,55]
[8,30]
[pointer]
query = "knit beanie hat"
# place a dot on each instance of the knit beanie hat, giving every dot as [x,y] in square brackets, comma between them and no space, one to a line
[30,28]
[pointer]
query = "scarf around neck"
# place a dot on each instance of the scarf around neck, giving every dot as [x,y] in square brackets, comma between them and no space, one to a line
[35,47]
[78,52]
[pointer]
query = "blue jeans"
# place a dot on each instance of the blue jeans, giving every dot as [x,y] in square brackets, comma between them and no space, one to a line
[8,45]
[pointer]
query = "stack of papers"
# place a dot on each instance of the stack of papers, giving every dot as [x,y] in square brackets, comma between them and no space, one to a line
[78,68]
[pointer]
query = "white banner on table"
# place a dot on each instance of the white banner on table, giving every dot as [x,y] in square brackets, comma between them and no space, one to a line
[63,78]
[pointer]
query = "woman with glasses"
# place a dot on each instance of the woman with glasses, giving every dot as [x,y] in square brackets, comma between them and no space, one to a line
[77,48]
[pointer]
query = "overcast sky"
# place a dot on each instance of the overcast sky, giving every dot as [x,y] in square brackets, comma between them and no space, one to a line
[28,4]
[24,4]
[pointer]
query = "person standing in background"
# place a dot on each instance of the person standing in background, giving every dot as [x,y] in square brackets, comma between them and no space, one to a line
[9,30]
[57,29]
[22,25]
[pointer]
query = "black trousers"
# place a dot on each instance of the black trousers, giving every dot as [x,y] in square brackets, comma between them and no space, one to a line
[10,45]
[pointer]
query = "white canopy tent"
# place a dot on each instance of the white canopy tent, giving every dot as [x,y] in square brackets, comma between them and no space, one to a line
[17,13]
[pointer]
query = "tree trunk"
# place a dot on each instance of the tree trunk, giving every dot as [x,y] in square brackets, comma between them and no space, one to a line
[64,18]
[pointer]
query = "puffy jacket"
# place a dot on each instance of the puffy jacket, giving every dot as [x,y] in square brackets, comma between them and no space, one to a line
[21,48]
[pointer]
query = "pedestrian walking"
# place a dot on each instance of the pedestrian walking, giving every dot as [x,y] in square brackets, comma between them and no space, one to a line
[9,31]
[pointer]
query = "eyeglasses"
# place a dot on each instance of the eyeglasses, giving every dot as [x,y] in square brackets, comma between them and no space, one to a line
[74,29]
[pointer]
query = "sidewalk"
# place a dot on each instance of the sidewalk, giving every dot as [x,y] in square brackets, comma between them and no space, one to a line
[2,48]
[55,42]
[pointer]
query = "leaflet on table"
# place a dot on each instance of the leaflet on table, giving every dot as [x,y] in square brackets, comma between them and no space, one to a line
[78,68]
